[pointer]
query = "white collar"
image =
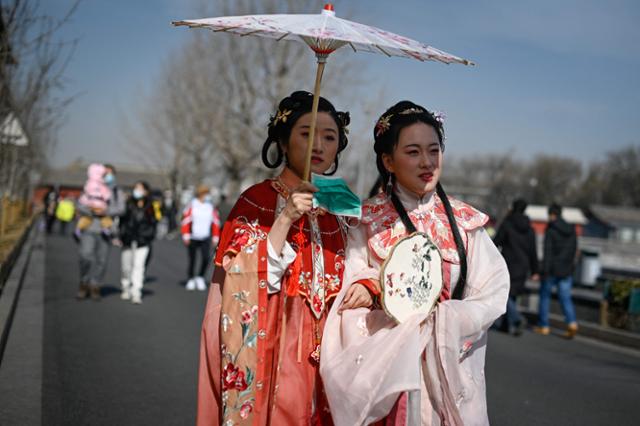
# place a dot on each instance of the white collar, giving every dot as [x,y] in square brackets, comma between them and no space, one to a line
[411,201]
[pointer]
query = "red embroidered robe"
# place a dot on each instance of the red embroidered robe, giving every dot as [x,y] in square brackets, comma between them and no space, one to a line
[256,368]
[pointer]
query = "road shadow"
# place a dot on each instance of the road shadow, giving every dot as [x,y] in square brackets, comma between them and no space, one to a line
[109,290]
[149,279]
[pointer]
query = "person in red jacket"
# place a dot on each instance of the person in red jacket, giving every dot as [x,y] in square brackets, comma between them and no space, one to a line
[200,231]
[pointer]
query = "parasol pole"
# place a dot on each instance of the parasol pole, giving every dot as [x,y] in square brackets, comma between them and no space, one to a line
[322,59]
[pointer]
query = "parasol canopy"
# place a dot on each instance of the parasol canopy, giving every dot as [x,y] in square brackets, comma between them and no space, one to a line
[324,33]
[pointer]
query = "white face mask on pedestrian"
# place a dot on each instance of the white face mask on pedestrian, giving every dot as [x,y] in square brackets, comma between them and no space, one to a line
[138,194]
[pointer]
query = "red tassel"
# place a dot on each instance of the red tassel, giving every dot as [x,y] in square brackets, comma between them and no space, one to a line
[296,268]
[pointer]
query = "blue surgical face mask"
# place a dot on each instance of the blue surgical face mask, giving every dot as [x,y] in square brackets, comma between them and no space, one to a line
[138,193]
[335,196]
[110,179]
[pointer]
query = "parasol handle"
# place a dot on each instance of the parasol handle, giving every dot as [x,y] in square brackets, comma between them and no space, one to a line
[314,117]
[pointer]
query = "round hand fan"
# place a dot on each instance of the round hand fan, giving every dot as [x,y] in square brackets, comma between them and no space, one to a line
[411,277]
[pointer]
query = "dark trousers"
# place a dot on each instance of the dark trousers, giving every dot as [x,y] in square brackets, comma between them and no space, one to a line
[514,319]
[204,247]
[63,227]
[50,220]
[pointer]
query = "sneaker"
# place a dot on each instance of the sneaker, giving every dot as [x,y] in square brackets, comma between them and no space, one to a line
[125,295]
[191,284]
[545,331]
[200,284]
[136,299]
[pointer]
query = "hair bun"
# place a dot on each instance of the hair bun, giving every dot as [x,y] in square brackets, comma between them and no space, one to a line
[344,117]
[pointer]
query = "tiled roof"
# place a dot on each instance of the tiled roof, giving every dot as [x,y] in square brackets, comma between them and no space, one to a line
[76,176]
[571,215]
[616,214]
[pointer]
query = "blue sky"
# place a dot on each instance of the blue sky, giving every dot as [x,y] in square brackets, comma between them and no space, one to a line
[553,77]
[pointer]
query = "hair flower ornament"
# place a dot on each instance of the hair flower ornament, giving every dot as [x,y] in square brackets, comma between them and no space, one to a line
[383,124]
[280,116]
[440,116]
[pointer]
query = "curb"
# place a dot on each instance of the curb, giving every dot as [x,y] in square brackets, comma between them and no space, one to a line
[589,329]
[12,286]
[21,323]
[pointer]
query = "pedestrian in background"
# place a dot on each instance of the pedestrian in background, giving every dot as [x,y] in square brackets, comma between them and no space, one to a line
[65,212]
[170,212]
[50,205]
[517,242]
[560,248]
[93,247]
[137,231]
[224,207]
[156,204]
[200,230]
[95,198]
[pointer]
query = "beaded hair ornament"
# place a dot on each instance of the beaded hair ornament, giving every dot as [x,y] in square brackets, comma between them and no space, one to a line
[384,123]
[283,115]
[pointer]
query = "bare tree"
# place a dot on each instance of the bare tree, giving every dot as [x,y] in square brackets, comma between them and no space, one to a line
[32,63]
[614,180]
[489,182]
[208,114]
[554,179]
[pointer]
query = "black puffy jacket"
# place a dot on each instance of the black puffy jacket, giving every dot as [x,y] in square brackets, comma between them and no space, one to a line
[138,223]
[559,249]
[518,243]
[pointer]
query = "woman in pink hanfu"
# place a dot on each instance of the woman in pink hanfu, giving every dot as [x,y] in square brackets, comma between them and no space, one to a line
[426,370]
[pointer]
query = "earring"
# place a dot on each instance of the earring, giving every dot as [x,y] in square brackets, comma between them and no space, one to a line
[389,188]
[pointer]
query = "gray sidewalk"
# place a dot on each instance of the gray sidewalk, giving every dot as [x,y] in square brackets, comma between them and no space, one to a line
[21,319]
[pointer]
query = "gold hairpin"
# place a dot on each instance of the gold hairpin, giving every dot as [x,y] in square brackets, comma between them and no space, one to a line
[383,124]
[281,116]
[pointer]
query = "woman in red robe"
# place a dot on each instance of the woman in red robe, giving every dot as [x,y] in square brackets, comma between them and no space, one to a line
[278,267]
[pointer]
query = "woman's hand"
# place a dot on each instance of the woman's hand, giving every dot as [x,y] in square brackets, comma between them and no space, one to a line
[300,202]
[358,296]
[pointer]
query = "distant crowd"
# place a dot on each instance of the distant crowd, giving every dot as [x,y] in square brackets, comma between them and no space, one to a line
[105,216]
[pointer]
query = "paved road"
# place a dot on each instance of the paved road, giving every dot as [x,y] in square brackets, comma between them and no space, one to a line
[114,363]
[547,380]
